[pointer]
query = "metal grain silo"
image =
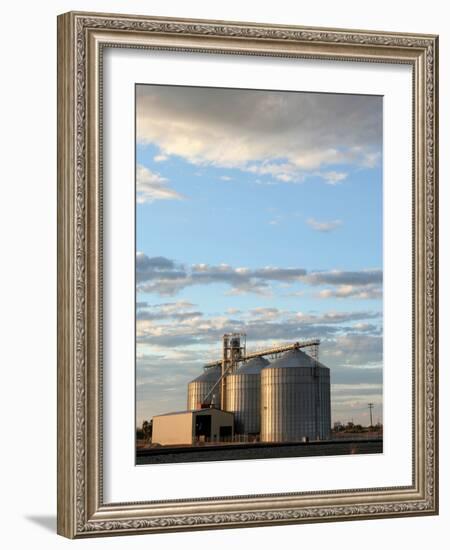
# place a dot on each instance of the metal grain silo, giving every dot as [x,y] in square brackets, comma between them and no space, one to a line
[202,390]
[295,399]
[243,391]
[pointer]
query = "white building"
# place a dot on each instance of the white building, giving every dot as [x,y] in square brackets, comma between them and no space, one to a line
[189,427]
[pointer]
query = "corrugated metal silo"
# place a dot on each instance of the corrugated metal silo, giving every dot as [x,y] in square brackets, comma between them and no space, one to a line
[243,391]
[199,389]
[295,399]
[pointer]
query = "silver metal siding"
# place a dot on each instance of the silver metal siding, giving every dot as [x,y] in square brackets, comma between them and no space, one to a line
[199,388]
[294,403]
[244,400]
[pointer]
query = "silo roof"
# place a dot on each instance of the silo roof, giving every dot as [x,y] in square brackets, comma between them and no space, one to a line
[295,358]
[253,366]
[211,374]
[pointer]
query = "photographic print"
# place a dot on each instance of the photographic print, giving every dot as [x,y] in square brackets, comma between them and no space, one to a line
[259,314]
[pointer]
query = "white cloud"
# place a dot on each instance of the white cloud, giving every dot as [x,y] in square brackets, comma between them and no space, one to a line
[285,172]
[266,313]
[334,177]
[163,276]
[362,292]
[174,327]
[302,168]
[354,349]
[338,277]
[284,135]
[323,227]
[362,326]
[160,158]
[180,311]
[151,186]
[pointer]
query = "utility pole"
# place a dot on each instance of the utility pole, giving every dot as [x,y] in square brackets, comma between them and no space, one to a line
[370,405]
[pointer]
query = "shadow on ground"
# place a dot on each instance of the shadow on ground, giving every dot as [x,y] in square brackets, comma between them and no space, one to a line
[46,522]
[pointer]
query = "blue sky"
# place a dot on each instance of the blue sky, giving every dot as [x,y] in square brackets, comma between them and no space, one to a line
[261,212]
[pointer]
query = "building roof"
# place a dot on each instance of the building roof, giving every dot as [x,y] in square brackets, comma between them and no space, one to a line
[173,413]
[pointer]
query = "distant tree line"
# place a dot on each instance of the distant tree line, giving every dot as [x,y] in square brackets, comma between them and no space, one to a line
[144,433]
[350,427]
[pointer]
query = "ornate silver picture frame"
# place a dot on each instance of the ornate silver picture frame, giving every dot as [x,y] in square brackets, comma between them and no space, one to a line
[82,41]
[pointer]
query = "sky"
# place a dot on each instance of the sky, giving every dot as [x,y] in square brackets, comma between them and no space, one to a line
[259,212]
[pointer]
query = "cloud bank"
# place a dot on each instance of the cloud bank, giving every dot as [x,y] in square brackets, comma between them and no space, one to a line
[165,277]
[284,135]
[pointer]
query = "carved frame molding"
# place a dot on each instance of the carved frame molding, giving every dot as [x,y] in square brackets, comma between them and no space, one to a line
[81,39]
